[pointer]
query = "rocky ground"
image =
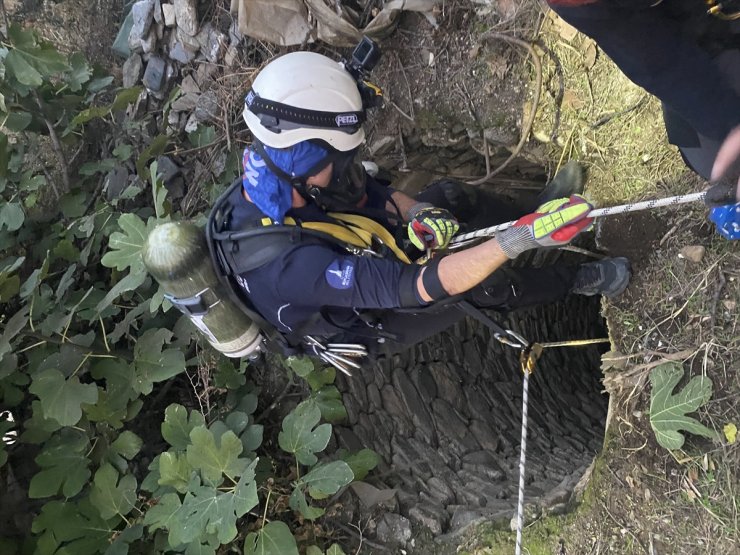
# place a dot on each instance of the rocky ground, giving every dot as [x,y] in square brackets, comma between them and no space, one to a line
[457,104]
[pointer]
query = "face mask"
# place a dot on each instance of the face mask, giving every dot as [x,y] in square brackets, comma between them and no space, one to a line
[347,185]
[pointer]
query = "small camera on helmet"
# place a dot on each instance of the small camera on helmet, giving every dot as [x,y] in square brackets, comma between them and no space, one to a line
[365,57]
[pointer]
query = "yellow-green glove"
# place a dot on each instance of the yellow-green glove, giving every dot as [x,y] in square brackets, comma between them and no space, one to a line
[430,227]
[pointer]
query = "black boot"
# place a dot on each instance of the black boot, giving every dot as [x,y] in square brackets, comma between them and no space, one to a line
[568,181]
[608,277]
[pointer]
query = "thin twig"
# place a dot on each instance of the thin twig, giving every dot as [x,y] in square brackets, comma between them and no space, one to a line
[95,350]
[355,533]
[485,152]
[527,127]
[179,152]
[275,403]
[56,145]
[5,18]
[195,390]
[404,160]
[400,111]
[51,183]
[408,86]
[94,196]
[621,526]
[561,88]
[471,108]
[580,250]
[603,120]
[716,296]
[226,131]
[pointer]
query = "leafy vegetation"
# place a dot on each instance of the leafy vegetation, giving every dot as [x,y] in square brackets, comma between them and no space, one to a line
[89,348]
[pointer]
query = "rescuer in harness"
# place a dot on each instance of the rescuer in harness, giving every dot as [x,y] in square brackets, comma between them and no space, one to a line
[332,251]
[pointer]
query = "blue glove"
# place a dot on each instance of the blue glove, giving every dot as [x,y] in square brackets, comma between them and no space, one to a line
[727,219]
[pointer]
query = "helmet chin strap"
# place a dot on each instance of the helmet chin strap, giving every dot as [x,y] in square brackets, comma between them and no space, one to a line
[326,198]
[298,182]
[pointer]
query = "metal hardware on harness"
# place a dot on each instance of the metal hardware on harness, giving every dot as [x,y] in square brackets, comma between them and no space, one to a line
[354,350]
[528,357]
[518,343]
[359,251]
[376,248]
[717,9]
[507,337]
[339,355]
[190,306]
[370,252]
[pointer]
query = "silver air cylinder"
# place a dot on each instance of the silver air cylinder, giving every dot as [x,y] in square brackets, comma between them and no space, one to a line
[176,255]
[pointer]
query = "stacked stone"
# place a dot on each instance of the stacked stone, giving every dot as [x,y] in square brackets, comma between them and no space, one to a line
[446,418]
[166,35]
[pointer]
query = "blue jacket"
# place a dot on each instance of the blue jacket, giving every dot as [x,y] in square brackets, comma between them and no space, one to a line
[316,288]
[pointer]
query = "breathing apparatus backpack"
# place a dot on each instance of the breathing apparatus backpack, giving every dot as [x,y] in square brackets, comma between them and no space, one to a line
[199,273]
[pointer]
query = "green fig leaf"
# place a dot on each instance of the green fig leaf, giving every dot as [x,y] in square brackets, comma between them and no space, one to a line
[154,363]
[275,538]
[212,459]
[126,245]
[112,496]
[362,462]
[206,510]
[64,466]
[668,412]
[61,398]
[301,436]
[326,479]
[174,471]
[177,426]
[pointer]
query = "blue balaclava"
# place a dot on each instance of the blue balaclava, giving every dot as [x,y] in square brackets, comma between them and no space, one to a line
[271,194]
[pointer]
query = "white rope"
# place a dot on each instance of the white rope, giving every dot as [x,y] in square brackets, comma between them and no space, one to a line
[465,238]
[460,240]
[522,460]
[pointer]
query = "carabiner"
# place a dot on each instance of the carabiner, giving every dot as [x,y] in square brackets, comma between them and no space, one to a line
[520,342]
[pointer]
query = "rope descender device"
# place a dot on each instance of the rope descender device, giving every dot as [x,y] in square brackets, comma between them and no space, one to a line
[529,356]
[720,11]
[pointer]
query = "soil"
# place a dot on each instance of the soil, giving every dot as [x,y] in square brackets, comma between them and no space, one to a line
[448,82]
[73,25]
[634,236]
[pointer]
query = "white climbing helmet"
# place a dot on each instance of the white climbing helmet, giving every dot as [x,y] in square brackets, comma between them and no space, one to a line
[302,96]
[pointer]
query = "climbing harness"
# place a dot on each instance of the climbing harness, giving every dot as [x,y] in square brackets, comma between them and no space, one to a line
[466,238]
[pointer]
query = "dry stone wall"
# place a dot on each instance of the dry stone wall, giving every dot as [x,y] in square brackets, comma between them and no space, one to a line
[446,416]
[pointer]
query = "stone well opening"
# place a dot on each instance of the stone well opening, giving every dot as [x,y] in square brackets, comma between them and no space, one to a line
[446,418]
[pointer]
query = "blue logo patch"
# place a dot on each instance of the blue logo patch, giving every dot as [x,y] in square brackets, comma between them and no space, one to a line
[340,274]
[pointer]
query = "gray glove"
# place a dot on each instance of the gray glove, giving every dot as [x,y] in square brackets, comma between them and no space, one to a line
[554,223]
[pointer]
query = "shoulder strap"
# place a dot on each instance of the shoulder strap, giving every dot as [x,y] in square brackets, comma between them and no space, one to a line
[275,340]
[372,228]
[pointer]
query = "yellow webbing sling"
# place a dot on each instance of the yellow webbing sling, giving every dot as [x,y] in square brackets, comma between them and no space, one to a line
[357,231]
